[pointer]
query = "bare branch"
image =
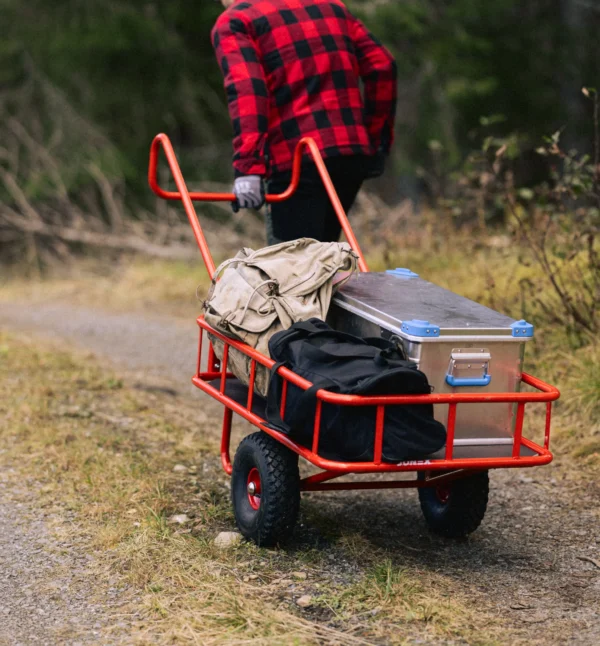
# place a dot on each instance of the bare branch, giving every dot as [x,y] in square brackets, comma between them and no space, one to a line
[37,150]
[18,195]
[106,189]
[105,240]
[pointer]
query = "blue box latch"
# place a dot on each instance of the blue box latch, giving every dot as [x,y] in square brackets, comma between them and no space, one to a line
[522,329]
[416,327]
[402,272]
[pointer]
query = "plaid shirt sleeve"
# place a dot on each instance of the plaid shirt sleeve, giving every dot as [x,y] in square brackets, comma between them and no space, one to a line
[246,91]
[379,73]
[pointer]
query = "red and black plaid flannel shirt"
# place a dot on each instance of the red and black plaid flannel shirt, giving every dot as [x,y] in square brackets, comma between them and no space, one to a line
[292,69]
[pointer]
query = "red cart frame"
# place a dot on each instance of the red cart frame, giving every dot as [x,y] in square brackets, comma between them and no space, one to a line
[215,380]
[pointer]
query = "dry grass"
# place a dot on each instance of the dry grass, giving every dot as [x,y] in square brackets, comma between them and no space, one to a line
[126,284]
[105,451]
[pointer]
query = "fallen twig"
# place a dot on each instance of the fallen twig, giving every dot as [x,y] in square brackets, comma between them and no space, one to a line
[589,559]
[92,238]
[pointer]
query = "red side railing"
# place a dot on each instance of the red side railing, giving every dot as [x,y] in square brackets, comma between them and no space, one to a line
[545,394]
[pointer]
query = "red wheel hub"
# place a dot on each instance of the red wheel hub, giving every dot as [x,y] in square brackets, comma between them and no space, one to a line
[443,493]
[253,488]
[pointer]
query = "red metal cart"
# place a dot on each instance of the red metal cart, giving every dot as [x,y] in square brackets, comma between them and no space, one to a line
[266,484]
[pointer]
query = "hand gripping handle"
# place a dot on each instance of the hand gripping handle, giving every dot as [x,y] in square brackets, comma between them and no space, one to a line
[187,197]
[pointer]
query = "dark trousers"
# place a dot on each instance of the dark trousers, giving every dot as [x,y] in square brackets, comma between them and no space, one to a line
[309,212]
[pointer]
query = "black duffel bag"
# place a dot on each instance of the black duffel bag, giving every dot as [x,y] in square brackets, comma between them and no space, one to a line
[346,364]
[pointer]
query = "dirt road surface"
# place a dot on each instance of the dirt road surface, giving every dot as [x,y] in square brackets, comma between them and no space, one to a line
[45,594]
[531,563]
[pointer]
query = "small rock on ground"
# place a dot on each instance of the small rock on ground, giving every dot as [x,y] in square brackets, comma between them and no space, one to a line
[304,601]
[228,539]
[179,519]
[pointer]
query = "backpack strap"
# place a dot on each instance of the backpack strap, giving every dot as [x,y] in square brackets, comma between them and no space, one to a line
[274,394]
[311,326]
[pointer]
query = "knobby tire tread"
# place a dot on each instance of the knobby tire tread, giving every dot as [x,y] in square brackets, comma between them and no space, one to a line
[465,509]
[280,514]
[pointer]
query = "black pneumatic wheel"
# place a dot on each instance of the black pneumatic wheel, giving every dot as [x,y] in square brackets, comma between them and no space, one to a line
[265,489]
[456,508]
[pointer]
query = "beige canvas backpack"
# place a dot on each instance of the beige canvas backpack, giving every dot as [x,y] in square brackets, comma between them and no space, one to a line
[259,293]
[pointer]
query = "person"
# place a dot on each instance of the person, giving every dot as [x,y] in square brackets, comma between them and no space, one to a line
[293,68]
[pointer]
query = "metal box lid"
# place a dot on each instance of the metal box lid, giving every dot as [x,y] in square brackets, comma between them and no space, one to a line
[402,302]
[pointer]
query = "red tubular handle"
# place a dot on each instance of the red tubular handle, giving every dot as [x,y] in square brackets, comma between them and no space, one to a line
[188,198]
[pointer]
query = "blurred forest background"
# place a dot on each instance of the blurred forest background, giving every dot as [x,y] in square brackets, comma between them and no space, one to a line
[494,130]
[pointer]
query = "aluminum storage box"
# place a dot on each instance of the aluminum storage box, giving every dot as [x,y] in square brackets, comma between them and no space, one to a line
[460,345]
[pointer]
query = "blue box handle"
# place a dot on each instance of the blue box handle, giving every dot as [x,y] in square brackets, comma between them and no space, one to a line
[457,382]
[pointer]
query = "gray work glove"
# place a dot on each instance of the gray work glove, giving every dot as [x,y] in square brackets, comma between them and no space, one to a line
[249,192]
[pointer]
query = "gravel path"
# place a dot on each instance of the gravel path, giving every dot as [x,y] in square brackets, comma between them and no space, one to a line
[528,563]
[48,592]
[160,346]
[47,584]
